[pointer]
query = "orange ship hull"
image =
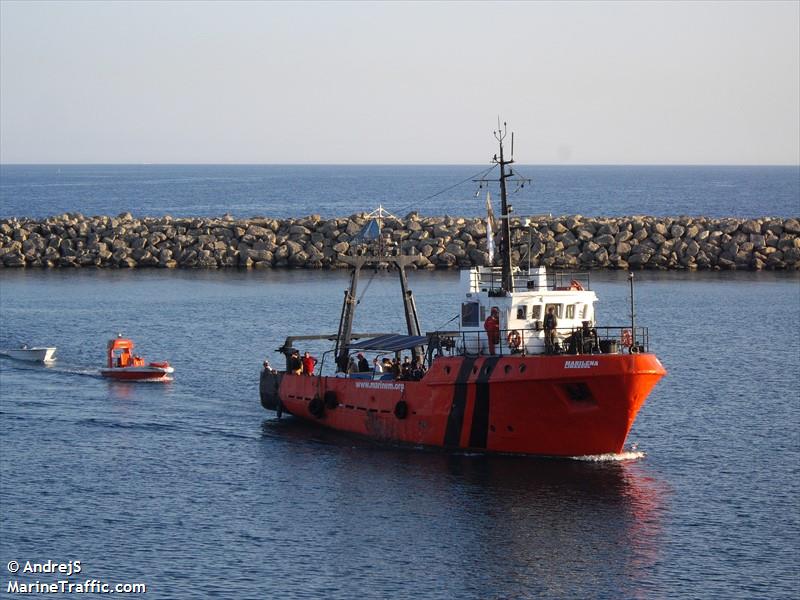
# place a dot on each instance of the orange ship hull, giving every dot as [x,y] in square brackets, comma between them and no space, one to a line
[565,405]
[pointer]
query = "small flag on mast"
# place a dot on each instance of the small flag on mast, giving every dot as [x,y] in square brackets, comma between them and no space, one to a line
[490,225]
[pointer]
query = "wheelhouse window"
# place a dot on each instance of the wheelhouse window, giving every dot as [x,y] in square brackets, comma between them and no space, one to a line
[470,314]
[558,309]
[570,311]
[536,311]
[522,312]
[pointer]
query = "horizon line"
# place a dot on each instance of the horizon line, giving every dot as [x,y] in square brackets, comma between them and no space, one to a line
[322,164]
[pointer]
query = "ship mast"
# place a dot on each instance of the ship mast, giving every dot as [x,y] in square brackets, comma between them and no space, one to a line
[505,217]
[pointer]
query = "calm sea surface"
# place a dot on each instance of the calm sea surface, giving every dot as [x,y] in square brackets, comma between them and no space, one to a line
[293,191]
[193,489]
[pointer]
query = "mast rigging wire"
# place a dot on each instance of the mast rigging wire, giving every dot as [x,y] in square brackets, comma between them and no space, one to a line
[447,322]
[366,287]
[478,175]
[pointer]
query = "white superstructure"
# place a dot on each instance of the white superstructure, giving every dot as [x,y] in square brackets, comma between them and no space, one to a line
[523,310]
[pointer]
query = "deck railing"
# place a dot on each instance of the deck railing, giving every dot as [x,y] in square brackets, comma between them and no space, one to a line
[490,280]
[566,340]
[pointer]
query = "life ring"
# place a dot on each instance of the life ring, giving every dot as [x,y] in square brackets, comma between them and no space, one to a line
[575,285]
[514,339]
[627,338]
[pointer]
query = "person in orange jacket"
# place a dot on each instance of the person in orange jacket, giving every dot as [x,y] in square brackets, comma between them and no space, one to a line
[492,327]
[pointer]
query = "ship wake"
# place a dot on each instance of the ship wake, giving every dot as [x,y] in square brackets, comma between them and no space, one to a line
[625,455]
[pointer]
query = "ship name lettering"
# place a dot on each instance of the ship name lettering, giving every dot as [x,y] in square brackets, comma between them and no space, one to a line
[580,364]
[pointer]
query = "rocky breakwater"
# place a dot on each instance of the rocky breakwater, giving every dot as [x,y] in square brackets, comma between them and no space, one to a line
[72,240]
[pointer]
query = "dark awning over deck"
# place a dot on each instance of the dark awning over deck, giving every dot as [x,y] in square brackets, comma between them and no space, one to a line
[391,343]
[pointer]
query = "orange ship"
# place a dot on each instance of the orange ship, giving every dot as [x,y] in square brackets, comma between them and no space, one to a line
[511,379]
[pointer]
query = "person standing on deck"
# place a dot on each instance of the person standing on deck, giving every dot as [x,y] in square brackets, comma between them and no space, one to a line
[550,325]
[405,369]
[363,365]
[309,362]
[492,327]
[295,364]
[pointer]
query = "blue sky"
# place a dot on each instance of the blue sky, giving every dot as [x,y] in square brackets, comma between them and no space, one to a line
[412,83]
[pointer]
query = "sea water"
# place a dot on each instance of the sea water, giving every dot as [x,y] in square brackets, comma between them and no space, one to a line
[339,190]
[193,489]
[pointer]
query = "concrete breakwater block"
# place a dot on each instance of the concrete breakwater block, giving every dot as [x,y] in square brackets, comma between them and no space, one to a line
[568,242]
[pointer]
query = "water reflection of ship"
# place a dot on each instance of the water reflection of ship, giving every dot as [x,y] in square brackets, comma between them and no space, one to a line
[548,522]
[119,391]
[524,525]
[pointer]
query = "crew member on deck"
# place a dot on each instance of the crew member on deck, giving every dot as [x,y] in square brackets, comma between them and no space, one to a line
[417,369]
[308,364]
[492,327]
[588,337]
[550,325]
[295,364]
[405,369]
[363,364]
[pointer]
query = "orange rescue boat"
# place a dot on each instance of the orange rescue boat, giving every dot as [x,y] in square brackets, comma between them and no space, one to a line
[123,364]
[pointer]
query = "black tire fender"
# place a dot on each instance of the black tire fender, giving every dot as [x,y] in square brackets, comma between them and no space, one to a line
[316,407]
[331,399]
[401,409]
